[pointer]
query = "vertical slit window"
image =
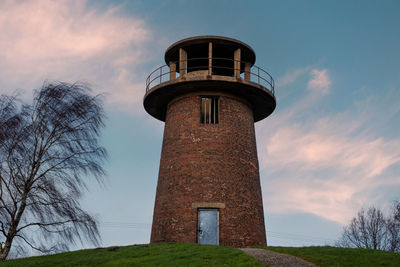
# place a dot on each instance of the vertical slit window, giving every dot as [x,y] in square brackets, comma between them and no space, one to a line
[209,110]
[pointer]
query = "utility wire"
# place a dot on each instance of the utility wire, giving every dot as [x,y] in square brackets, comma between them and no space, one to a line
[298,237]
[271,234]
[125,225]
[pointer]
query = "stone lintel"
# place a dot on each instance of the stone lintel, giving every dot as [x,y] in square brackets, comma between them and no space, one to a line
[196,205]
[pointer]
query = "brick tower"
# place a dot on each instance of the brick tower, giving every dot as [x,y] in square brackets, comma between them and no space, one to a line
[209,95]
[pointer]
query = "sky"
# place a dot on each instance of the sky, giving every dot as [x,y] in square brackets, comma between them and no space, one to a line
[331,147]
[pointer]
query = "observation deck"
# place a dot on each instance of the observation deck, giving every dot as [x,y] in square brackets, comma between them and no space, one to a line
[210,64]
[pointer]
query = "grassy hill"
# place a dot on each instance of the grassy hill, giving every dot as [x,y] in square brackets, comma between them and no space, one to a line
[333,256]
[178,254]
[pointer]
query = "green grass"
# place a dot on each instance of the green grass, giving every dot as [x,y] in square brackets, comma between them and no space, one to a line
[333,256]
[166,254]
[178,254]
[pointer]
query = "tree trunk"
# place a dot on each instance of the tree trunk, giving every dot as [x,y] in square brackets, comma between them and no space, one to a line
[5,250]
[13,229]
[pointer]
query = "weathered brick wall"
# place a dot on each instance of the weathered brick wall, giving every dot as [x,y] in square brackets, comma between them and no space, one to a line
[209,163]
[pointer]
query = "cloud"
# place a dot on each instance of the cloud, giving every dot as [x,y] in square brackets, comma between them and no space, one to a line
[328,164]
[325,169]
[323,144]
[320,81]
[72,41]
[290,77]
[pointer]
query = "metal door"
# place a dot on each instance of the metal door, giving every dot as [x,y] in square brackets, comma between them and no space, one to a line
[207,232]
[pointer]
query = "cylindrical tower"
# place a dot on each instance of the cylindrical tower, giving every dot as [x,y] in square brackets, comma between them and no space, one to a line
[209,95]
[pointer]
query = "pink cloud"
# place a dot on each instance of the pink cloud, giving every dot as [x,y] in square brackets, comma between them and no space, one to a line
[70,41]
[291,76]
[327,165]
[333,201]
[312,146]
[324,173]
[320,81]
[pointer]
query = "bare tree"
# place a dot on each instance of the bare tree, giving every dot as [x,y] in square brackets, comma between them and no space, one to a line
[393,229]
[366,230]
[371,229]
[47,152]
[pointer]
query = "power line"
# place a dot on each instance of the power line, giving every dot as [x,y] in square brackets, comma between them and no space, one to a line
[299,237]
[125,225]
[273,234]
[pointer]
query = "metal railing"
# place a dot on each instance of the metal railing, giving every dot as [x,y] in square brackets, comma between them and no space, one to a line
[219,66]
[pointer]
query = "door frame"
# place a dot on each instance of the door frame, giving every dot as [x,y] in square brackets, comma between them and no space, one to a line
[198,223]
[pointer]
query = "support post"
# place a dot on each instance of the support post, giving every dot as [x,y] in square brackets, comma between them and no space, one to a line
[209,58]
[172,70]
[236,58]
[247,66]
[182,61]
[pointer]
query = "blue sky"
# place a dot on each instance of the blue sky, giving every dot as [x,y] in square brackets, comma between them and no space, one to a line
[331,147]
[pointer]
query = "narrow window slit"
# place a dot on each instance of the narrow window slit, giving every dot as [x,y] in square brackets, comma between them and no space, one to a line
[209,110]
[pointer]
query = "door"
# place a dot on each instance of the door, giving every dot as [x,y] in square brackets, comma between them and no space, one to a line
[207,232]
